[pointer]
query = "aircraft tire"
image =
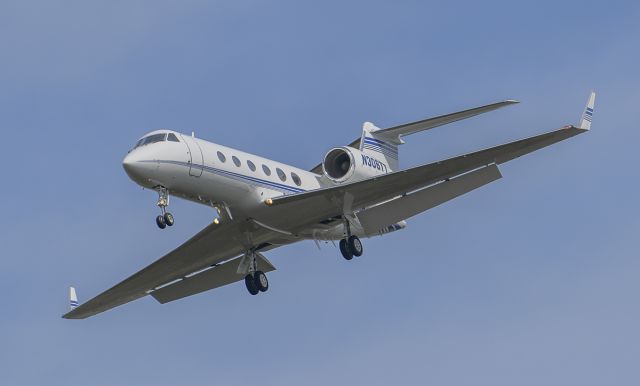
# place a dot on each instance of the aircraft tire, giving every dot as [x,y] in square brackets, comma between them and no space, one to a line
[355,245]
[345,250]
[168,219]
[160,222]
[261,281]
[251,285]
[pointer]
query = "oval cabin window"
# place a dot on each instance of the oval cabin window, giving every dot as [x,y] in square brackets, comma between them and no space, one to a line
[296,179]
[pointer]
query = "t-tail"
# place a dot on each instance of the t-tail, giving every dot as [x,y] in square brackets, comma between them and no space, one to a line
[383,143]
[73,298]
[375,146]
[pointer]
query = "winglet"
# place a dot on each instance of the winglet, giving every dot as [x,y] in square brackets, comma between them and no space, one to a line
[73,298]
[587,115]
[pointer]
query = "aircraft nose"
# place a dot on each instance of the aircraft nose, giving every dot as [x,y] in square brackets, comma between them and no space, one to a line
[132,165]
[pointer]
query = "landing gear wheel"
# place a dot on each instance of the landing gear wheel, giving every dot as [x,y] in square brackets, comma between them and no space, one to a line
[160,222]
[261,281]
[168,219]
[355,246]
[251,284]
[345,250]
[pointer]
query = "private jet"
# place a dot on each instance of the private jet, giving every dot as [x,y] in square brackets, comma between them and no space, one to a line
[357,191]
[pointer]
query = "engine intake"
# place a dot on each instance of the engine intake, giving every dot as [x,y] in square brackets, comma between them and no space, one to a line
[338,164]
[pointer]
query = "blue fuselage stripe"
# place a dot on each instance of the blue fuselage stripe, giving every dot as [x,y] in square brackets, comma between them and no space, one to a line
[237,175]
[383,145]
[379,150]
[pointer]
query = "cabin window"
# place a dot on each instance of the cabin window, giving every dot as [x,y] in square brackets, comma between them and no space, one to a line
[251,166]
[266,170]
[221,157]
[236,161]
[172,138]
[281,175]
[296,179]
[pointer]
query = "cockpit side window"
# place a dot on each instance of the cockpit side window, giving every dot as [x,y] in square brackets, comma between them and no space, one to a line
[172,138]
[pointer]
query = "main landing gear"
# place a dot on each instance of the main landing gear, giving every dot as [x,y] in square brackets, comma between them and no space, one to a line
[256,281]
[351,245]
[165,219]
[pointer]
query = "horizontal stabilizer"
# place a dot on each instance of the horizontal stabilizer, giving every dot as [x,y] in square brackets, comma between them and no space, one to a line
[215,277]
[394,133]
[402,208]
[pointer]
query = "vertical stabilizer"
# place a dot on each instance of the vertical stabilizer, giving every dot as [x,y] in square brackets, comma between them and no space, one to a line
[587,115]
[377,147]
[73,298]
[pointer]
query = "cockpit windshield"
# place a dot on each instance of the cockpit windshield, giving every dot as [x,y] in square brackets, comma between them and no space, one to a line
[157,138]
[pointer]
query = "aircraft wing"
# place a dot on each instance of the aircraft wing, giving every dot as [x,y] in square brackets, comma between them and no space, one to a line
[214,244]
[394,133]
[347,198]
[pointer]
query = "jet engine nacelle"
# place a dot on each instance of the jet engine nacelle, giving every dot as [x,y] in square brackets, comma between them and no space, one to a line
[345,163]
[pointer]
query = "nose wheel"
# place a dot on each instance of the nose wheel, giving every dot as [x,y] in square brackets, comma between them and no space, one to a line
[165,219]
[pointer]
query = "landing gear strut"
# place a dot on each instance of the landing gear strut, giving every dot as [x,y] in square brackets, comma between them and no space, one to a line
[165,219]
[350,246]
[256,281]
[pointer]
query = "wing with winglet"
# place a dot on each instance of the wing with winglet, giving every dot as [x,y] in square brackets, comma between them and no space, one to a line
[214,244]
[328,202]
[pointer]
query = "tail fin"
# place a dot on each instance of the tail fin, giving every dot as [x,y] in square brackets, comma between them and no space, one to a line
[73,298]
[587,115]
[377,147]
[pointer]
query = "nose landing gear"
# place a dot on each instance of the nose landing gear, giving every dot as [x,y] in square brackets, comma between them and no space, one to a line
[165,219]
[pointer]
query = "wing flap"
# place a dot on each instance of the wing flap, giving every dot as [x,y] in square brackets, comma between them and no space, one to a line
[214,277]
[375,218]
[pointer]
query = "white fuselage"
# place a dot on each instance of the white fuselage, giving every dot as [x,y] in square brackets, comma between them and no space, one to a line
[221,177]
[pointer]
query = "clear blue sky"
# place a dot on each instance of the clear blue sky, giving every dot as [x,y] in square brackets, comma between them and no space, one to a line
[532,280]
